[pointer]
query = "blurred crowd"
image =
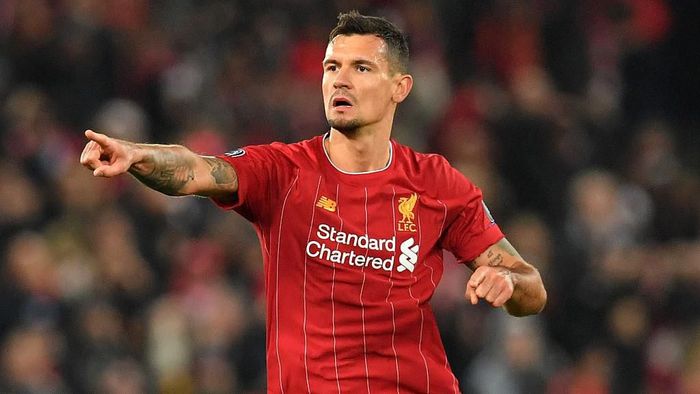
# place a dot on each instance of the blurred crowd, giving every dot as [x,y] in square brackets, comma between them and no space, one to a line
[580,120]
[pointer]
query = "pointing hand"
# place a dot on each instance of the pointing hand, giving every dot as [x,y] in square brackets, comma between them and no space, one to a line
[106,156]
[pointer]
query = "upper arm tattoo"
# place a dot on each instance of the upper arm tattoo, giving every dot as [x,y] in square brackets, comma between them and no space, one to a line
[221,172]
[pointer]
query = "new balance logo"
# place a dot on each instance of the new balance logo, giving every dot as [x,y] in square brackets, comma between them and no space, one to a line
[327,204]
[409,256]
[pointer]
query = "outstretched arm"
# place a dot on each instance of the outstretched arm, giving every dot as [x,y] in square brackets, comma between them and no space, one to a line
[170,169]
[503,278]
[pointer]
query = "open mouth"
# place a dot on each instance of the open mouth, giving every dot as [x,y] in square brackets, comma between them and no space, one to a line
[341,102]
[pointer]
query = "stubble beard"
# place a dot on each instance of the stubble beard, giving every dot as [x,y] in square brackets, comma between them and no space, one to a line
[347,127]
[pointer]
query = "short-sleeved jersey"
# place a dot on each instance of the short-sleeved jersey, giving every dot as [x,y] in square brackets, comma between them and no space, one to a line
[351,262]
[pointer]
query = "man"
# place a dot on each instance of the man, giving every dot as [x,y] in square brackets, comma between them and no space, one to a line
[352,226]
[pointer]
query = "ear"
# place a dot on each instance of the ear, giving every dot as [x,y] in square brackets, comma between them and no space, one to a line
[402,88]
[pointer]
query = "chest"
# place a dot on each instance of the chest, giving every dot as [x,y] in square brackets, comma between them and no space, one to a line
[387,228]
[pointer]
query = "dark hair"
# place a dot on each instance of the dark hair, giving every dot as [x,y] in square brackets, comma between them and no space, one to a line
[353,22]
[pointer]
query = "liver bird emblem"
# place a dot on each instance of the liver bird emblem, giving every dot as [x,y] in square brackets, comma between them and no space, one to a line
[406,205]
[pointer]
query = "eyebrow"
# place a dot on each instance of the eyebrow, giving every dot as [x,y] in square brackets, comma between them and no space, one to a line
[355,62]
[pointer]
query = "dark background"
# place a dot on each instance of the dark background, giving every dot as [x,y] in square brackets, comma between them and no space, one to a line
[580,120]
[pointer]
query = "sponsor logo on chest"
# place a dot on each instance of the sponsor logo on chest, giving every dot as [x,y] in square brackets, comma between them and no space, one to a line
[335,246]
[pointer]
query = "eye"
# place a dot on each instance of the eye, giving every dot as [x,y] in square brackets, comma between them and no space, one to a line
[331,67]
[362,69]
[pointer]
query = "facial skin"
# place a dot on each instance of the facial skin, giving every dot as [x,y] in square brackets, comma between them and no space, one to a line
[357,71]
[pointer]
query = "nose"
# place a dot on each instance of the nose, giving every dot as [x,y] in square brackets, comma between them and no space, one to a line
[341,80]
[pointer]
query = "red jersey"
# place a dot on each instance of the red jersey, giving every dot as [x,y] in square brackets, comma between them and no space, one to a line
[351,262]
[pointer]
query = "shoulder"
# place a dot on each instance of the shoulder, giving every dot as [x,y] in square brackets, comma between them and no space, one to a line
[433,171]
[284,147]
[412,159]
[429,165]
[298,153]
[304,147]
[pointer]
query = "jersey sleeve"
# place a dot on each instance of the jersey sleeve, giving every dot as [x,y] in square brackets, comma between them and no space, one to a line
[259,169]
[473,229]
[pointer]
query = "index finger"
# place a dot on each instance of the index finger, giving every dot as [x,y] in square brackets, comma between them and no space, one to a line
[101,139]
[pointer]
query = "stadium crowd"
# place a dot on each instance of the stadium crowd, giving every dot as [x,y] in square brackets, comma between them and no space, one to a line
[580,120]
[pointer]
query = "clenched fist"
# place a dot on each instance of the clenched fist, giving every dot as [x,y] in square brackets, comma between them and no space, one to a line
[494,284]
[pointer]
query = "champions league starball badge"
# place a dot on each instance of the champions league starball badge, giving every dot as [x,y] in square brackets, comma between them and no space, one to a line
[235,153]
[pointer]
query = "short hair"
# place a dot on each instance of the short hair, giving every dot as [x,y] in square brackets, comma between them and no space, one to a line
[353,22]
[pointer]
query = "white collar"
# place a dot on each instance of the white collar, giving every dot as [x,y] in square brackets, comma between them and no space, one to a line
[388,163]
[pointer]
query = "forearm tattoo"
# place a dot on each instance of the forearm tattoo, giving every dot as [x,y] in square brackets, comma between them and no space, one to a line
[506,245]
[166,171]
[494,256]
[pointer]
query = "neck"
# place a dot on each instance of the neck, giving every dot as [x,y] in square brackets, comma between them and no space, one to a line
[361,152]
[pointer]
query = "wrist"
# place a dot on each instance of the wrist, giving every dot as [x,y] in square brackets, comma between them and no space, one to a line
[139,159]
